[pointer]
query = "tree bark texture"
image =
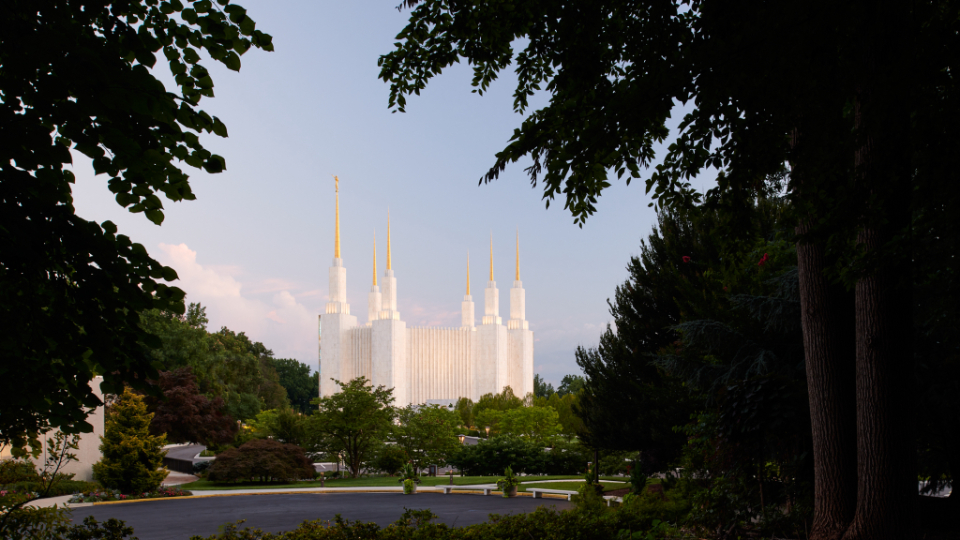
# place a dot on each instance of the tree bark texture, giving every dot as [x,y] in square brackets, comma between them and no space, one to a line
[886,453]
[828,322]
[827,317]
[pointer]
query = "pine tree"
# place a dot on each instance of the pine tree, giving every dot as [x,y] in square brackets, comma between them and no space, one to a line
[132,458]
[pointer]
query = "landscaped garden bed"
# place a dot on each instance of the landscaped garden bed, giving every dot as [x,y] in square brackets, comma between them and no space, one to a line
[115,495]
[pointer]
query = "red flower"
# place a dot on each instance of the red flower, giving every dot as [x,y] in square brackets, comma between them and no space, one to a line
[763,261]
[686,259]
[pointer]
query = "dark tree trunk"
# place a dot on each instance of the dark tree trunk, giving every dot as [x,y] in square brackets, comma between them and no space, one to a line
[827,316]
[829,349]
[886,464]
[886,453]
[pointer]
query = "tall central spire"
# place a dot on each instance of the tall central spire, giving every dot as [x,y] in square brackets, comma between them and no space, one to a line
[518,256]
[491,256]
[374,258]
[336,244]
[389,262]
[468,273]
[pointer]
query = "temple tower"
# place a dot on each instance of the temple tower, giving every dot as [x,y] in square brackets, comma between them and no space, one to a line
[375,298]
[520,336]
[389,340]
[335,354]
[466,308]
[491,373]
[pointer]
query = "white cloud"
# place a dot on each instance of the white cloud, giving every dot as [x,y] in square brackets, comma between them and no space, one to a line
[282,323]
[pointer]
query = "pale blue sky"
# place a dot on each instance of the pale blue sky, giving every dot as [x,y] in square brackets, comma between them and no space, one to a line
[256,244]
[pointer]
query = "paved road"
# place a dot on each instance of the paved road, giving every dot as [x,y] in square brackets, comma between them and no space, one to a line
[174,519]
[186,452]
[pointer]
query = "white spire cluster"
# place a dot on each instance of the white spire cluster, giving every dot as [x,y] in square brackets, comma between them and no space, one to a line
[423,364]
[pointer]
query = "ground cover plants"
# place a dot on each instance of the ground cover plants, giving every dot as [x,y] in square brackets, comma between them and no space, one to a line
[101,495]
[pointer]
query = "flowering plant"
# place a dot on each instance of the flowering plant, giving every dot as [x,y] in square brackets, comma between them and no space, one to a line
[115,495]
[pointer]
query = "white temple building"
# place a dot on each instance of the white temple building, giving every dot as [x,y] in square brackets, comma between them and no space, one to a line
[424,363]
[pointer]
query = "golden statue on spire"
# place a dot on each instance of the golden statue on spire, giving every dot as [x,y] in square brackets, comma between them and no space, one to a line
[389,256]
[491,256]
[518,255]
[468,273]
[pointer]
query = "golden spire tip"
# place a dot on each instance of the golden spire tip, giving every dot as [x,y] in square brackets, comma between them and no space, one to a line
[491,256]
[389,258]
[336,243]
[518,255]
[374,258]
[468,273]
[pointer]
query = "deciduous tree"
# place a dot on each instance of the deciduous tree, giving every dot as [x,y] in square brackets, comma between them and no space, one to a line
[261,459]
[427,434]
[295,377]
[77,79]
[185,415]
[831,89]
[353,422]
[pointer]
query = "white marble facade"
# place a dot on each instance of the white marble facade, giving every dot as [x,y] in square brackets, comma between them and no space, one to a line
[424,363]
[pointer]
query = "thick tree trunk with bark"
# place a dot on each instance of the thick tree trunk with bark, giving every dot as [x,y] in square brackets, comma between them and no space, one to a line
[886,448]
[827,317]
[828,343]
[886,453]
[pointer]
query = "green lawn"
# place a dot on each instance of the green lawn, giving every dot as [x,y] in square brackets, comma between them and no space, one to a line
[571,486]
[377,481]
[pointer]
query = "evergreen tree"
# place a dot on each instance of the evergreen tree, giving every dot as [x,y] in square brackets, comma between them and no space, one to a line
[541,388]
[132,458]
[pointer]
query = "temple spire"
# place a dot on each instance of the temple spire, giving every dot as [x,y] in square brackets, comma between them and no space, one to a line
[374,258]
[336,244]
[491,256]
[518,256]
[468,273]
[389,262]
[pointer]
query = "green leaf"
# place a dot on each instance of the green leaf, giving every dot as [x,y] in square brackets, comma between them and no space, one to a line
[155,215]
[232,61]
[247,26]
[190,56]
[169,274]
[219,128]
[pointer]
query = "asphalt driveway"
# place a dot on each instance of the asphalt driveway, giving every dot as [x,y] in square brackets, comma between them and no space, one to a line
[179,519]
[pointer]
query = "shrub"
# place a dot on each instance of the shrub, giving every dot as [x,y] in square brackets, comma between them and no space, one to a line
[389,459]
[638,480]
[490,457]
[649,506]
[60,487]
[132,458]
[199,467]
[597,522]
[34,523]
[261,459]
[15,470]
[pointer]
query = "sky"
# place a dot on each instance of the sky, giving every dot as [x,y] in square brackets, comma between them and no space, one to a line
[256,245]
